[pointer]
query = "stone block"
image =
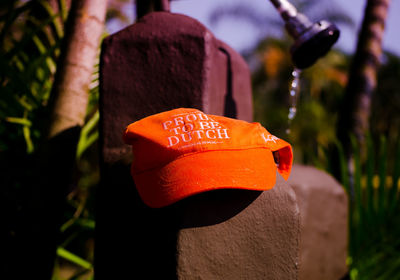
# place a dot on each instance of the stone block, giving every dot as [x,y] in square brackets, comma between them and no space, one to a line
[240,234]
[323,208]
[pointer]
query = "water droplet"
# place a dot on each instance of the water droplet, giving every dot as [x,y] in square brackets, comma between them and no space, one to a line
[296,72]
[294,91]
[292,113]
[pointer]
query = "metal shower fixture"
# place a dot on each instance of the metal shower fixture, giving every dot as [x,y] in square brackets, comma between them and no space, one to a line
[312,40]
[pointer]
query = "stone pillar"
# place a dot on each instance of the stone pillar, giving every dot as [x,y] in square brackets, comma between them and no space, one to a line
[324,228]
[240,234]
[162,62]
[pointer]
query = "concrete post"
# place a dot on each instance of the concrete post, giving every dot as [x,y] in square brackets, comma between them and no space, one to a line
[162,62]
[323,210]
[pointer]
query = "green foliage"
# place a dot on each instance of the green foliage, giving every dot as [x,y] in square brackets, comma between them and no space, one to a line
[372,180]
[31,33]
[73,258]
[29,47]
[374,211]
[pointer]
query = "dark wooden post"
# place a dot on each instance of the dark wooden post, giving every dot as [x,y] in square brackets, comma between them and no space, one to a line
[162,62]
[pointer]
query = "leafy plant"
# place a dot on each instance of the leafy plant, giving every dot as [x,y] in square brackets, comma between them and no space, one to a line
[31,33]
[30,40]
[374,212]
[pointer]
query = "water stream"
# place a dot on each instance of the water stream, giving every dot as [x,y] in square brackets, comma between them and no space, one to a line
[294,92]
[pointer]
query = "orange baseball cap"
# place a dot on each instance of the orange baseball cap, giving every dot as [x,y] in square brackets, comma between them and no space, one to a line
[184,152]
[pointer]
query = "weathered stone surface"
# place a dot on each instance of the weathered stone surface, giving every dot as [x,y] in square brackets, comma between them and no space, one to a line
[238,94]
[162,62]
[323,209]
[259,241]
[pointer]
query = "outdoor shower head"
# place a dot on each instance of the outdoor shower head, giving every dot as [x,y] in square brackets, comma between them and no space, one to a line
[312,40]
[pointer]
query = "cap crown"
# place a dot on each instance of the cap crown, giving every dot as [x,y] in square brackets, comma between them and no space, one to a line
[164,137]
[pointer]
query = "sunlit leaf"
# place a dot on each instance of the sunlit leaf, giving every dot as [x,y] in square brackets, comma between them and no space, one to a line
[87,138]
[63,253]
[21,121]
[28,140]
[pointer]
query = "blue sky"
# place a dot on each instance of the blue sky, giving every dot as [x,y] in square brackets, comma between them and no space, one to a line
[242,35]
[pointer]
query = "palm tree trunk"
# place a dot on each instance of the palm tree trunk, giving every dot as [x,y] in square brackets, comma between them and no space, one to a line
[69,96]
[56,157]
[354,118]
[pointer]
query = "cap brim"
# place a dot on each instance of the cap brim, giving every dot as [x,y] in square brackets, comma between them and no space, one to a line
[251,169]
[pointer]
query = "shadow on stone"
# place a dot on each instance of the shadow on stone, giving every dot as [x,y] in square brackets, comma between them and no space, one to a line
[215,207]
